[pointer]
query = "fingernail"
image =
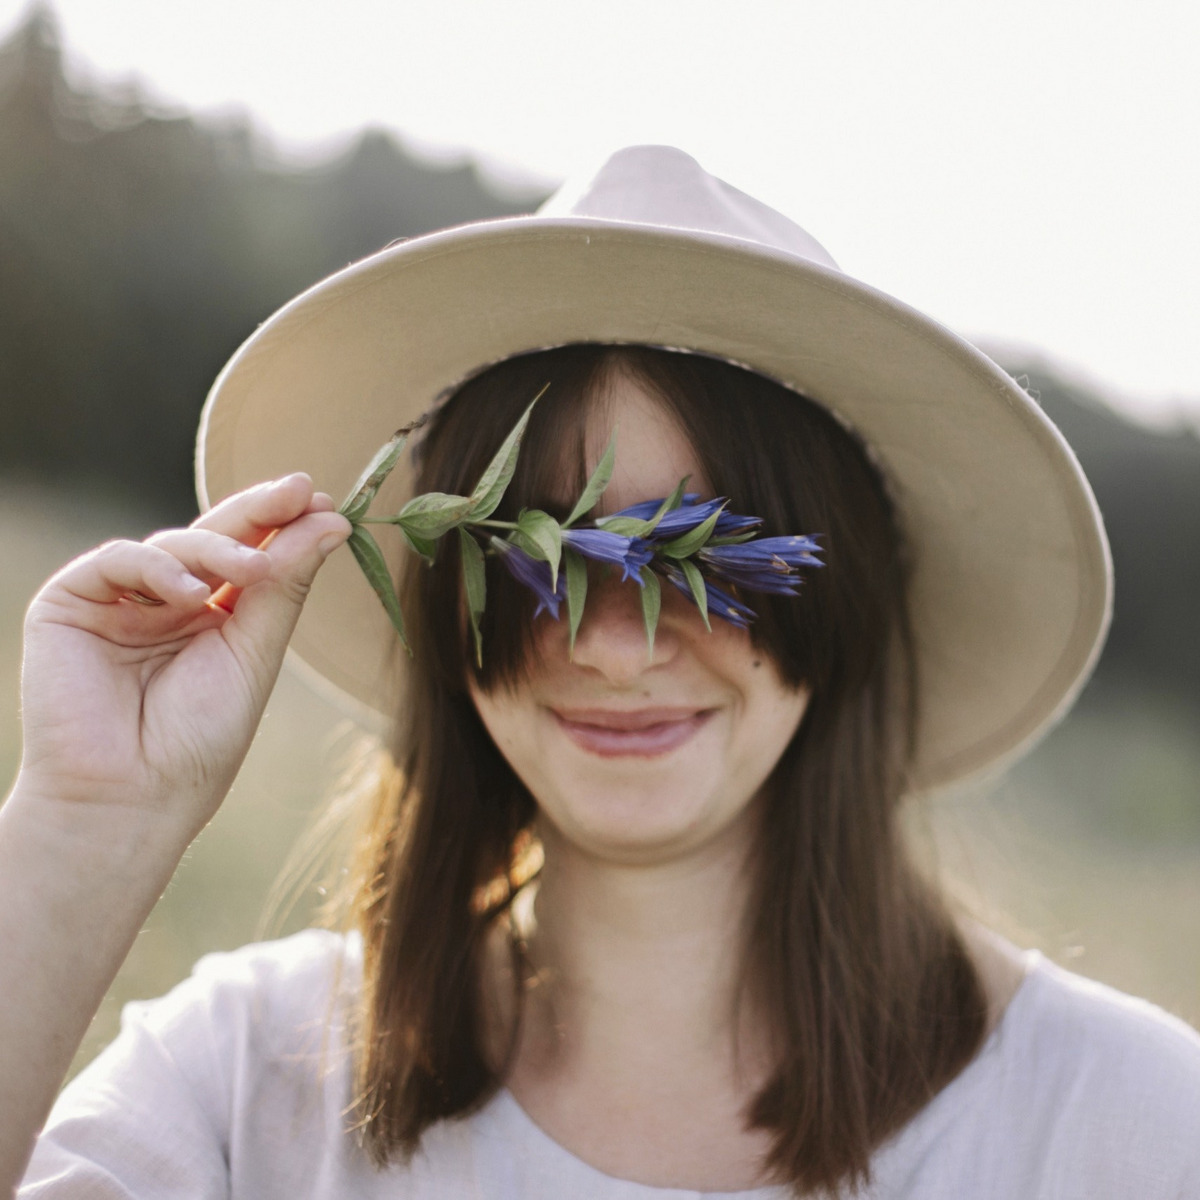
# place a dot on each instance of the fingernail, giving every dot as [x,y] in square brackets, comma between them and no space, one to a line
[329,543]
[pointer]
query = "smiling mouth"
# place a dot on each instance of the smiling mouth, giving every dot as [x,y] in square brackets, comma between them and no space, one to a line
[644,733]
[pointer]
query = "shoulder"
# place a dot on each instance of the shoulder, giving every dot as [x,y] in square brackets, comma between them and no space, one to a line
[296,970]
[1065,1031]
[1051,1028]
[243,1013]
[307,957]
[1079,1093]
[1084,1091]
[267,993]
[238,1076]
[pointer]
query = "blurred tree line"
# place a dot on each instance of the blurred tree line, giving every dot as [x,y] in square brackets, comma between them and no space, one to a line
[1147,483]
[138,250]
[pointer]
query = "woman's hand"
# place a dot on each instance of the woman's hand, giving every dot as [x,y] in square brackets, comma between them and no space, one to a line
[136,715]
[144,711]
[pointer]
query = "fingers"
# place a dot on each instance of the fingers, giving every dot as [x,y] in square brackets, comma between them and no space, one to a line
[255,515]
[212,557]
[182,567]
[115,569]
[146,594]
[250,515]
[266,611]
[178,566]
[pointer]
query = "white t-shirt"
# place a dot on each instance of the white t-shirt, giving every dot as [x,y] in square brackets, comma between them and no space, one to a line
[236,1084]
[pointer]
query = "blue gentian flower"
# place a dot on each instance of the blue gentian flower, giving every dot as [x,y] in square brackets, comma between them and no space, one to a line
[645,509]
[720,604]
[676,522]
[630,554]
[535,575]
[730,523]
[692,512]
[764,565]
[684,519]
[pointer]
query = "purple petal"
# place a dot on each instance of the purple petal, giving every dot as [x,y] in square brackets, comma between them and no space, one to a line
[764,565]
[779,554]
[645,509]
[730,523]
[682,520]
[630,554]
[691,513]
[720,603]
[535,575]
[796,550]
[678,521]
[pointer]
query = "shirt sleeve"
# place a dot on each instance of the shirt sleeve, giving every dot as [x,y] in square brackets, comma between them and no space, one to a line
[162,1111]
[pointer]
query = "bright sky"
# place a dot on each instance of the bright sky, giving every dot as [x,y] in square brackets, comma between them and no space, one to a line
[1026,172]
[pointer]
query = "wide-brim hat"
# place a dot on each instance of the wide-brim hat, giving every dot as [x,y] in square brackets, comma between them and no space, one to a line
[1011,584]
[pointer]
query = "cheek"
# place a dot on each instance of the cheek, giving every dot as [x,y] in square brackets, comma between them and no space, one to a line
[510,722]
[772,710]
[774,722]
[495,711]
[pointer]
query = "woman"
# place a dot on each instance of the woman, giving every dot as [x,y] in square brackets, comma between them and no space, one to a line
[725,977]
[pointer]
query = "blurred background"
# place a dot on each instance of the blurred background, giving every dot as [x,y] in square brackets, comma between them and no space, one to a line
[161,194]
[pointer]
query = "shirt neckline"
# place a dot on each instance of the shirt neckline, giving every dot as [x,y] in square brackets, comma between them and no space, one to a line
[508,1108]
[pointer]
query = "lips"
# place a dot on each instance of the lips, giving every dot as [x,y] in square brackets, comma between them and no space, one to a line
[639,733]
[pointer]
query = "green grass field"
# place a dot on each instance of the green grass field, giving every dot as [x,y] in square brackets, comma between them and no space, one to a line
[1090,850]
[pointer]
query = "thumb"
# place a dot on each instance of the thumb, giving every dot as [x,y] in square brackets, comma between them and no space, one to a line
[265,613]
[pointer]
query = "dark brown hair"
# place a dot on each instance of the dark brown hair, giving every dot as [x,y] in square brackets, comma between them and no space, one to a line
[872,998]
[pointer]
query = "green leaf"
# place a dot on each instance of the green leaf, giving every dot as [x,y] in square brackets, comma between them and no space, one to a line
[425,547]
[369,482]
[493,483]
[432,514]
[576,572]
[688,543]
[651,604]
[475,583]
[370,558]
[673,501]
[539,534]
[625,526]
[596,484]
[699,592]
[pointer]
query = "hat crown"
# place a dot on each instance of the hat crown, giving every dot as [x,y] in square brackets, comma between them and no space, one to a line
[666,188]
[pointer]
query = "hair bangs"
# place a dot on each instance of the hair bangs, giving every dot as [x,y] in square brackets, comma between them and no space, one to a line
[551,471]
[774,453]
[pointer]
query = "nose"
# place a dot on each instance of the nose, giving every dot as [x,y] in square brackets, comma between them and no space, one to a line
[612,635]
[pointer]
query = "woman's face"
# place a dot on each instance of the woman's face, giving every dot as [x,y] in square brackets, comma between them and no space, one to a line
[631,756]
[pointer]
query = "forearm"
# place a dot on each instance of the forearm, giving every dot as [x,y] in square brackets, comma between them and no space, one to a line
[78,885]
[136,719]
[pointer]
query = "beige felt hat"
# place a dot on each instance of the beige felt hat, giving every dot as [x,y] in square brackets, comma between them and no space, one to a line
[1011,590]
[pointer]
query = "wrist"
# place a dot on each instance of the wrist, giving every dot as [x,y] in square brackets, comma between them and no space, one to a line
[118,838]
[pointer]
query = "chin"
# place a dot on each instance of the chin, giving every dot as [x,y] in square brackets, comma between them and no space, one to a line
[637,826]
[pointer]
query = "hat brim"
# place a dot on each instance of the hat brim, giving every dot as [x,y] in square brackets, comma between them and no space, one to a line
[1011,576]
